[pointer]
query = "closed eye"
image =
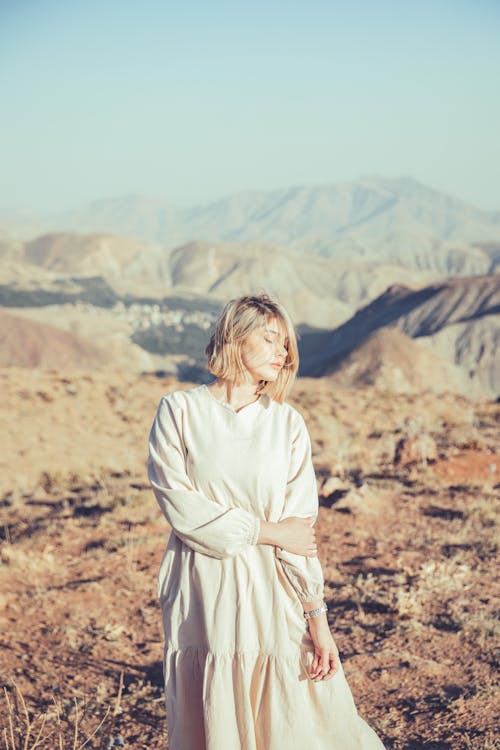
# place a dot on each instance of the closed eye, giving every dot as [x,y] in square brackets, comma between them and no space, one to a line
[271,341]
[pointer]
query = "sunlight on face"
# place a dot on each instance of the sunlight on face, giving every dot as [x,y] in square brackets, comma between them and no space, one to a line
[263,349]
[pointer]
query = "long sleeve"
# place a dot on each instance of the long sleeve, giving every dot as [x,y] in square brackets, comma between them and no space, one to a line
[301,499]
[203,524]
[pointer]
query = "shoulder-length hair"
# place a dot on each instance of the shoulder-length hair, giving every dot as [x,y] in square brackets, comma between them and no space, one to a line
[238,318]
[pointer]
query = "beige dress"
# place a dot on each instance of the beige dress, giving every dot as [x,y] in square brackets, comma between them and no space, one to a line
[237,649]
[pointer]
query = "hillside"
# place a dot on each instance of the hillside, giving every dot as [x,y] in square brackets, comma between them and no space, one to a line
[346,260]
[26,343]
[391,220]
[391,361]
[79,254]
[319,291]
[457,307]
[452,336]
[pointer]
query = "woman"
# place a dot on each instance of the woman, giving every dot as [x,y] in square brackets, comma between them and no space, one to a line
[250,663]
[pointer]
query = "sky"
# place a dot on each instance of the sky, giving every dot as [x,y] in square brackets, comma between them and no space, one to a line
[197,100]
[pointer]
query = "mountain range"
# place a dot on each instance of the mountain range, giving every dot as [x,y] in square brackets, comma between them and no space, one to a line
[319,291]
[388,281]
[395,220]
[457,320]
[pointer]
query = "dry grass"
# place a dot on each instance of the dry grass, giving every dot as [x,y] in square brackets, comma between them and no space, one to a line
[62,726]
[408,553]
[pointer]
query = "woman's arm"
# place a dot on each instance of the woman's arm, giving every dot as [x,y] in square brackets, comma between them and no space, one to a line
[306,574]
[301,500]
[202,524]
[326,662]
[293,534]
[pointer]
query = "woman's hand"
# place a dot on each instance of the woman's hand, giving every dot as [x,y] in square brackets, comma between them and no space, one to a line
[297,535]
[293,534]
[326,662]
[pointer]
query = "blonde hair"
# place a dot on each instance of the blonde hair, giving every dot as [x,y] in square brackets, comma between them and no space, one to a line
[238,318]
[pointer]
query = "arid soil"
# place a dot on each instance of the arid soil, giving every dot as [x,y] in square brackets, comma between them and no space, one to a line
[407,530]
[30,344]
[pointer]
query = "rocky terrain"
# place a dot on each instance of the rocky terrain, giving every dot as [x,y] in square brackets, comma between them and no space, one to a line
[395,294]
[462,312]
[339,157]
[408,541]
[393,361]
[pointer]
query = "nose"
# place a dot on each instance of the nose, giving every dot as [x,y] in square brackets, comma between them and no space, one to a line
[281,351]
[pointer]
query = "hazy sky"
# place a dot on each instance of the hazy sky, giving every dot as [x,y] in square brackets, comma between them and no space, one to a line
[195,100]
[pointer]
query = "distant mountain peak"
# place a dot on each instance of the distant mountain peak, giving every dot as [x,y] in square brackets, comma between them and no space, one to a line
[371,216]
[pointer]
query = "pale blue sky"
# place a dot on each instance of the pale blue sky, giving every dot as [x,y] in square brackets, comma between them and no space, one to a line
[198,100]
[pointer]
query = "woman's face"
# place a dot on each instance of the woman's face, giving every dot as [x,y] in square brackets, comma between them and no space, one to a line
[264,351]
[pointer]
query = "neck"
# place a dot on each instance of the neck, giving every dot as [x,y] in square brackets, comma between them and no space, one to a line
[233,393]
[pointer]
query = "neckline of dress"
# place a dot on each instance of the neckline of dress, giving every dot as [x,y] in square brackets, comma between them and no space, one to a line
[228,406]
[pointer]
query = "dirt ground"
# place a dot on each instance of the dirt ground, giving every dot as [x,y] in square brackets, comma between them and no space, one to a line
[408,542]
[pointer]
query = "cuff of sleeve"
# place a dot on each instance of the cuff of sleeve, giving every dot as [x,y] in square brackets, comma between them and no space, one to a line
[312,595]
[254,532]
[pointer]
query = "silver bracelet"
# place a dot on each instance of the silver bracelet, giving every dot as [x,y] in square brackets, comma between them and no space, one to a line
[316,612]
